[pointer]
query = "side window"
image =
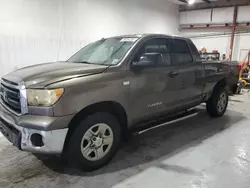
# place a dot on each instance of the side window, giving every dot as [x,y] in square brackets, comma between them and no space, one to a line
[156,45]
[181,52]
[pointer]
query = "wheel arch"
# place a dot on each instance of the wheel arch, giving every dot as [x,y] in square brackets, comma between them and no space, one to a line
[111,107]
[220,83]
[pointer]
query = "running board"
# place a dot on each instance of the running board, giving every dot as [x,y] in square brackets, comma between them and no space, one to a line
[186,115]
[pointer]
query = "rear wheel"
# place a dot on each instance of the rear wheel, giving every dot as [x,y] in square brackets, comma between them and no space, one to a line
[95,141]
[217,104]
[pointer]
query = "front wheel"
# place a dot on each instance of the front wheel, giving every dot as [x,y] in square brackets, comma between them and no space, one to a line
[218,102]
[95,141]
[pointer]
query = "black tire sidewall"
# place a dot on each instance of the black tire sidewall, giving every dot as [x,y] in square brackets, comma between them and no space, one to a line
[213,102]
[74,147]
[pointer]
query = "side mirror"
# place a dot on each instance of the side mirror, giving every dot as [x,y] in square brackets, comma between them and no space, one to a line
[149,60]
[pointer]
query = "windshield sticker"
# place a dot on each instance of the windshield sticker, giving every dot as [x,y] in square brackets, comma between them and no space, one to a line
[128,39]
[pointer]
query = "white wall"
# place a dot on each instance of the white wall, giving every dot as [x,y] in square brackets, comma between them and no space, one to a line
[37,31]
[221,42]
[241,46]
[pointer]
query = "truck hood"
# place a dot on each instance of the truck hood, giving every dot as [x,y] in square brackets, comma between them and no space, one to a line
[39,76]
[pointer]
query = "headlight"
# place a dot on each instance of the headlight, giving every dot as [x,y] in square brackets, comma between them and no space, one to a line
[37,97]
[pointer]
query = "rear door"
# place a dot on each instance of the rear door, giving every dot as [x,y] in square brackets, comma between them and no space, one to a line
[154,89]
[191,72]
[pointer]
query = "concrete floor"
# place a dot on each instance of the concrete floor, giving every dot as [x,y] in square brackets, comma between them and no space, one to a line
[195,153]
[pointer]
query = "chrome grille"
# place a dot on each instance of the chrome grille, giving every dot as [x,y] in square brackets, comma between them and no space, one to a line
[10,95]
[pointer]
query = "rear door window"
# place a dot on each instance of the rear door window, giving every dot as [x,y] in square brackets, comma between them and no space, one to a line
[181,52]
[192,47]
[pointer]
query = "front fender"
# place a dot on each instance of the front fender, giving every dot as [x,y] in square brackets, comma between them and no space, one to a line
[82,92]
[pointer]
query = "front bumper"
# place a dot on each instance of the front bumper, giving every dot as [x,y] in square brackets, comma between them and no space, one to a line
[20,131]
[53,141]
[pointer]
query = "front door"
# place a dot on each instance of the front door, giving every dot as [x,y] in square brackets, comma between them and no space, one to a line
[154,87]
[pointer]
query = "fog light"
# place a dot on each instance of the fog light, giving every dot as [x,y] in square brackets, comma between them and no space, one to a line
[36,140]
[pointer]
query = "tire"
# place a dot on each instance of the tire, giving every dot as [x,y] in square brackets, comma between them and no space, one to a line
[85,145]
[218,102]
[235,89]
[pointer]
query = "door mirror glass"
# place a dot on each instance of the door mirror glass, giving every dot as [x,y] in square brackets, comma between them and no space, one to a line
[149,60]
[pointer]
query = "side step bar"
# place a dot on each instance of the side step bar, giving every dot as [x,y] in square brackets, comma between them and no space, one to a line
[184,116]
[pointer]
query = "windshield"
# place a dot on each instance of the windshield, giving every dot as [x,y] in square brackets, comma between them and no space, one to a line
[104,52]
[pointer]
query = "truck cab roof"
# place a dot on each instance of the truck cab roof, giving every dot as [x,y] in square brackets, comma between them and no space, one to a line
[148,35]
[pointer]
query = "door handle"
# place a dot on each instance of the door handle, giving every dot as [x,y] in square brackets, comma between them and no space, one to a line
[173,74]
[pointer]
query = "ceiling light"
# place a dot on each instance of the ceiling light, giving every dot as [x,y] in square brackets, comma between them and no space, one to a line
[190,2]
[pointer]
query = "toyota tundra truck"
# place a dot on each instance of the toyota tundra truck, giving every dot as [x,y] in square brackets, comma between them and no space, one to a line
[83,107]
